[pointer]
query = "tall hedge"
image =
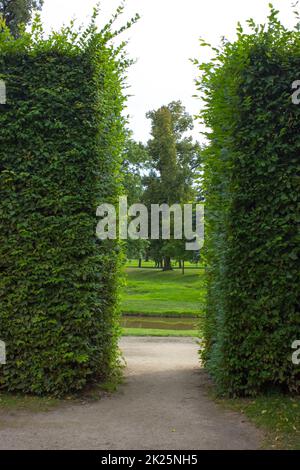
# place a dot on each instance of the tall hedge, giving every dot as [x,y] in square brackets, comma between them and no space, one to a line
[252,181]
[61,134]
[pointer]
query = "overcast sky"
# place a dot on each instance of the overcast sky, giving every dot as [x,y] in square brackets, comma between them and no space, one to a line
[164,40]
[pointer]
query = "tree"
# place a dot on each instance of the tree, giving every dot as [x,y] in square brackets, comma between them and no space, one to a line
[162,148]
[16,12]
[135,160]
[175,158]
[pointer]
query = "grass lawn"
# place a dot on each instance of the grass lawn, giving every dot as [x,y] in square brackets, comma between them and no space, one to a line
[154,292]
[277,414]
[28,403]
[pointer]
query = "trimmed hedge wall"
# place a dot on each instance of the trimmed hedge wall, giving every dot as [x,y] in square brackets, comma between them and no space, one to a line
[252,181]
[61,136]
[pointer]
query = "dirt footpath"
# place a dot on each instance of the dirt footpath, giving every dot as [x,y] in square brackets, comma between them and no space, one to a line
[162,405]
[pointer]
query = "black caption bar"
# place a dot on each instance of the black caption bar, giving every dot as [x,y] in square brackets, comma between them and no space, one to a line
[136,459]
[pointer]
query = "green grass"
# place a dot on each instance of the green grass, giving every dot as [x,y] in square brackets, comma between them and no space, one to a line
[277,414]
[29,403]
[158,332]
[154,292]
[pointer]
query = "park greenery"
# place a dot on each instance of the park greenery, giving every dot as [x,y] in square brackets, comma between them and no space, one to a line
[151,291]
[164,171]
[62,290]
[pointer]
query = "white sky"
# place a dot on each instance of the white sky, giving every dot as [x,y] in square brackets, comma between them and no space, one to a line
[164,40]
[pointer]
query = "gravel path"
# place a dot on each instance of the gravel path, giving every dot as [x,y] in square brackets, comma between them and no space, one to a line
[163,404]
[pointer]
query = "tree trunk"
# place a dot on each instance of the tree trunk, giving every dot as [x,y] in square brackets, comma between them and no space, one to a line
[140,262]
[182,264]
[167,264]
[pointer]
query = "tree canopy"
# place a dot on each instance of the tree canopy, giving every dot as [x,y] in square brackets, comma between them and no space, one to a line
[16,12]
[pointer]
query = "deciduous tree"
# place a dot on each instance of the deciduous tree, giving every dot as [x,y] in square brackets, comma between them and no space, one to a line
[16,12]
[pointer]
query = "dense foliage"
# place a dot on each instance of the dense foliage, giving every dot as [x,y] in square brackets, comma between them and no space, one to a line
[252,180]
[61,137]
[18,12]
